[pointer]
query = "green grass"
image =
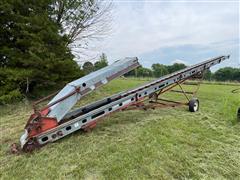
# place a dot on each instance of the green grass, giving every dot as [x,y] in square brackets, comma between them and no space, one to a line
[158,144]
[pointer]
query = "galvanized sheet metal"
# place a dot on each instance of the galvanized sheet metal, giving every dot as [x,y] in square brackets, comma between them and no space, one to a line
[87,84]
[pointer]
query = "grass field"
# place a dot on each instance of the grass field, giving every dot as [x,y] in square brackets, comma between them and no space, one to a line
[155,144]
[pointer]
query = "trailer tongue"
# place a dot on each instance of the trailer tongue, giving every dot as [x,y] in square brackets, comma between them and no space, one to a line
[56,121]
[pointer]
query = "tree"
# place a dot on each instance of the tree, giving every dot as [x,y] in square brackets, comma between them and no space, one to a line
[144,72]
[207,75]
[102,62]
[88,67]
[175,67]
[236,74]
[227,74]
[159,70]
[82,21]
[32,53]
[132,73]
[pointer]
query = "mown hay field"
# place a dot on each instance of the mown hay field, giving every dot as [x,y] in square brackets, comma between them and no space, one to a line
[170,143]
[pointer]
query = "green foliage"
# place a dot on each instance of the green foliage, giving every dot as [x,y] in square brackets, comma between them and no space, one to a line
[143,72]
[13,78]
[207,75]
[140,72]
[88,67]
[32,53]
[101,63]
[227,73]
[11,97]
[159,70]
[175,67]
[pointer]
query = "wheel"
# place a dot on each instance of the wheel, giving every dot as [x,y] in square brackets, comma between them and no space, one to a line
[193,105]
[238,114]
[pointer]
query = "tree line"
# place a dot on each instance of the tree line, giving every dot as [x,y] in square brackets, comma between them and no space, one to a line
[89,67]
[35,42]
[158,70]
[40,40]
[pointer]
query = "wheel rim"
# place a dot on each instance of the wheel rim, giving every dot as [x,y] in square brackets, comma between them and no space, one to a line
[195,106]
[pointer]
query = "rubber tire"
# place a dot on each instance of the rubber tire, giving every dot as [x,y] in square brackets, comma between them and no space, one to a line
[193,105]
[238,114]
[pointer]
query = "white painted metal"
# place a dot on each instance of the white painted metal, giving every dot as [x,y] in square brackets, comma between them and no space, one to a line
[195,106]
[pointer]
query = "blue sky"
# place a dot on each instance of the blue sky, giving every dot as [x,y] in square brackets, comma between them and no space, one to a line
[174,31]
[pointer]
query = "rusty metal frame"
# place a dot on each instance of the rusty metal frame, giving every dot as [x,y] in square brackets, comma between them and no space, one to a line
[135,98]
[148,103]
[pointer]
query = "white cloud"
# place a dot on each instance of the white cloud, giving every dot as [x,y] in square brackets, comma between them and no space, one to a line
[141,27]
[180,62]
